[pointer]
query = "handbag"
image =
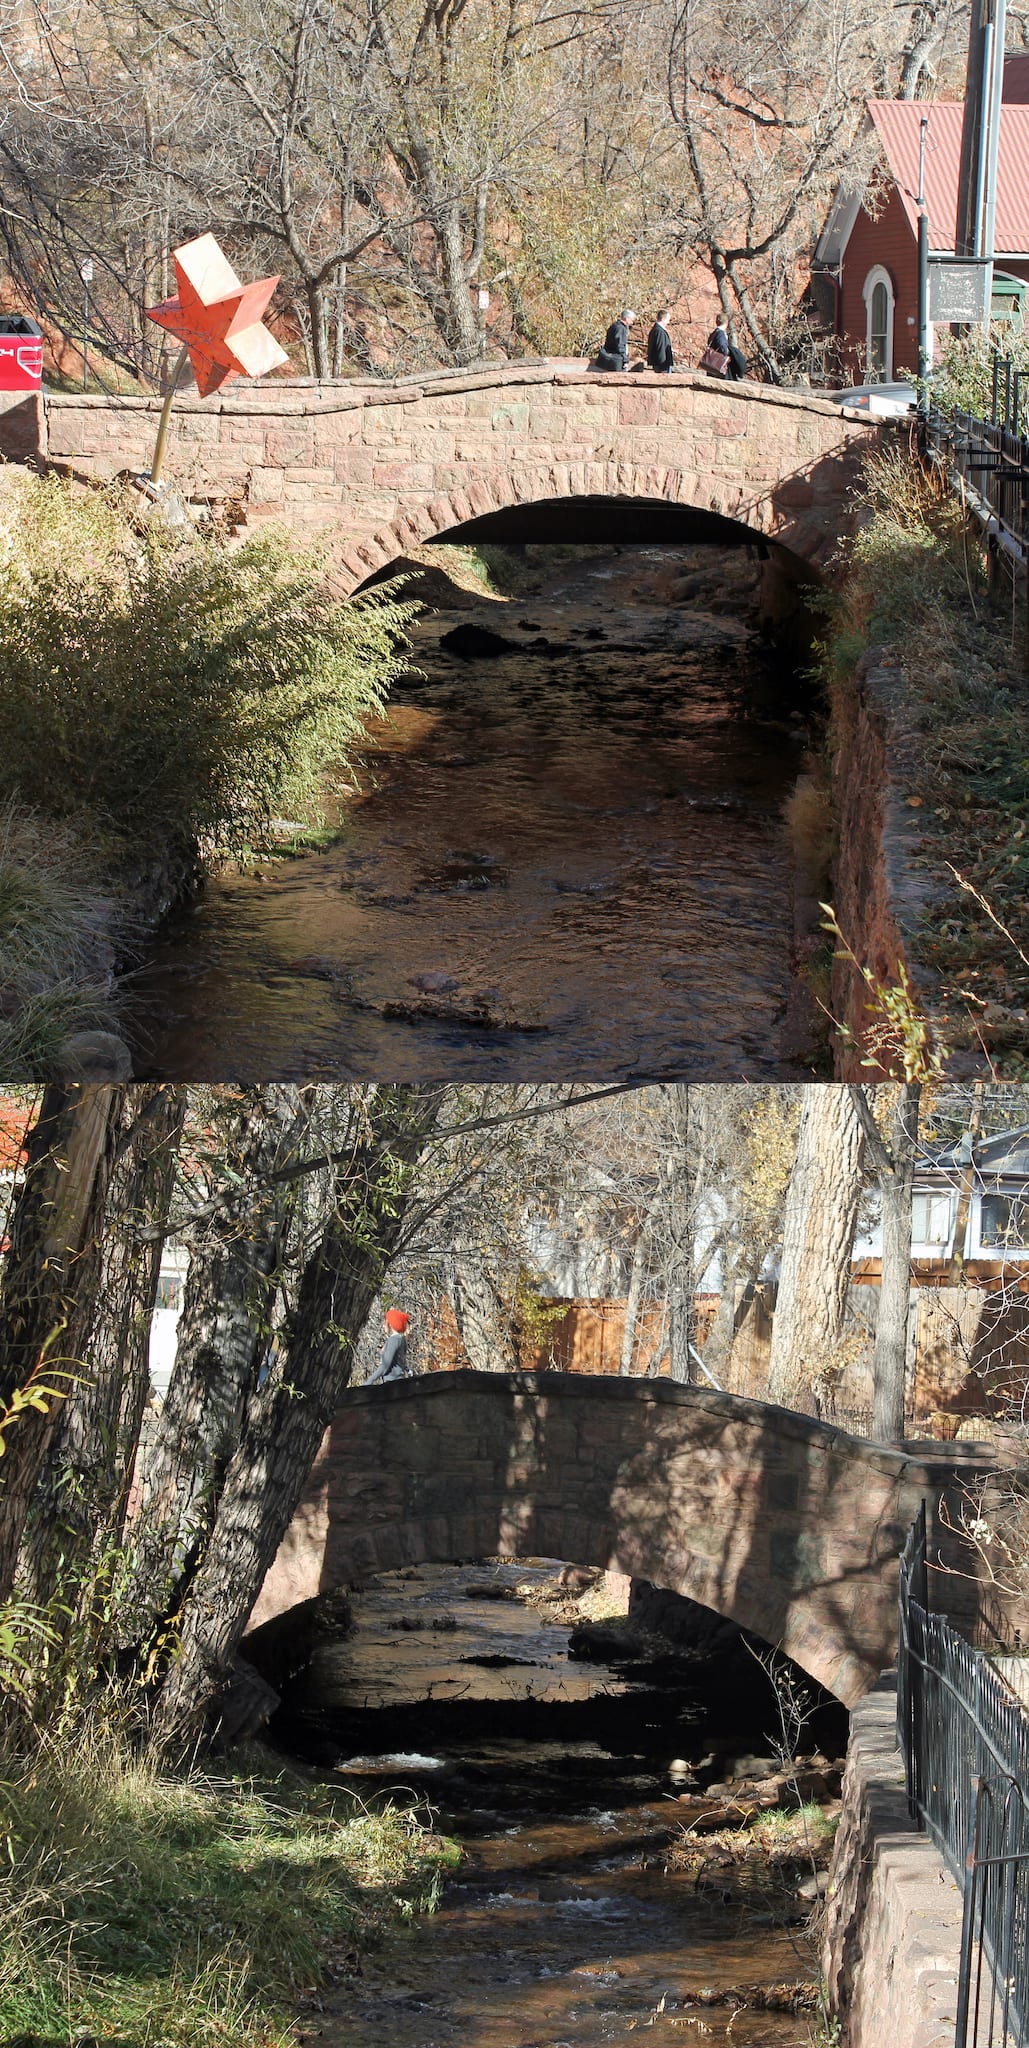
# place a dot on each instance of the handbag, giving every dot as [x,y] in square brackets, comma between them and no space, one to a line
[714,362]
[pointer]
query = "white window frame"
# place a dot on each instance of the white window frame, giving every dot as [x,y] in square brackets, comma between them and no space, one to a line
[1011,1253]
[876,276]
[938,1199]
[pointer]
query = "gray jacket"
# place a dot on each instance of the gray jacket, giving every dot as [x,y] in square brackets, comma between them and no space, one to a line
[393,1363]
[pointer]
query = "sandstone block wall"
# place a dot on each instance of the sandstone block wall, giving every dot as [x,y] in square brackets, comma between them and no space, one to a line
[381,466]
[878,891]
[22,426]
[893,1912]
[773,1520]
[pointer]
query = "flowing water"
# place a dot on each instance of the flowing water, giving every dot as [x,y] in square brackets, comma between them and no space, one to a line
[568,858]
[565,1926]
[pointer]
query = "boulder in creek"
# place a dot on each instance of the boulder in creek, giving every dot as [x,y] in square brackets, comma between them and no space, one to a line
[595,1644]
[577,1578]
[93,1057]
[476,643]
[433,984]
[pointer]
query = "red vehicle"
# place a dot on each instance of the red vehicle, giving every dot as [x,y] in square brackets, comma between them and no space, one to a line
[21,353]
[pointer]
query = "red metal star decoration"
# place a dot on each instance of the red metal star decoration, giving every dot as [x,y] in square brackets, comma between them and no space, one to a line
[217,318]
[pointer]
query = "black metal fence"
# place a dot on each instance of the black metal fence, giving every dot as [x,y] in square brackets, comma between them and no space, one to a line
[965,1742]
[992,455]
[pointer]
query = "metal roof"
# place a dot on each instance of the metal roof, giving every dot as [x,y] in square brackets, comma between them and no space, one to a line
[898,122]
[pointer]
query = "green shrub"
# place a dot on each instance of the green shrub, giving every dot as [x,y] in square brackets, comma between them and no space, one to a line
[962,378]
[162,685]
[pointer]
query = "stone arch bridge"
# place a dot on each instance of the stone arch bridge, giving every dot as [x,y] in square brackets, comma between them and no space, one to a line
[782,1524]
[504,452]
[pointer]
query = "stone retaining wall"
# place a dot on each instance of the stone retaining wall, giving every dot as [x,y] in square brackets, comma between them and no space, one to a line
[878,892]
[893,1914]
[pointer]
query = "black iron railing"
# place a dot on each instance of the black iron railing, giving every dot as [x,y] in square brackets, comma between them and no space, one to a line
[995,1934]
[965,1742]
[991,456]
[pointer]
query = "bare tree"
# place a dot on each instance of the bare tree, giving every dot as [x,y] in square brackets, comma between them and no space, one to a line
[768,101]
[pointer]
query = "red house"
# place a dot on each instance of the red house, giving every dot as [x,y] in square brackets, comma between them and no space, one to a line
[864,282]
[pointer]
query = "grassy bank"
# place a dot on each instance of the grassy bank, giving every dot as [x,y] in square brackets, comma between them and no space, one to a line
[164,695]
[59,927]
[192,1910]
[917,587]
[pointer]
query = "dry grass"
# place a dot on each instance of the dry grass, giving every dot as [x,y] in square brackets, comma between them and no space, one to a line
[188,1910]
[811,827]
[56,925]
[917,588]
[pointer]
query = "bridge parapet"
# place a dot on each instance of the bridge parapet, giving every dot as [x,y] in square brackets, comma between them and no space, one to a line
[779,1522]
[381,466]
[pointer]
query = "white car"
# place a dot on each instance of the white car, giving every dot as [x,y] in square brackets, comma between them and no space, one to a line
[887,401]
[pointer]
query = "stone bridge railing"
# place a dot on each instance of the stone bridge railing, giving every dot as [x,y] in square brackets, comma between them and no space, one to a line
[780,1523]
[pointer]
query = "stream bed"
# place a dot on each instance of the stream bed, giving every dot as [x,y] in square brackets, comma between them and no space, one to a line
[566,857]
[575,1918]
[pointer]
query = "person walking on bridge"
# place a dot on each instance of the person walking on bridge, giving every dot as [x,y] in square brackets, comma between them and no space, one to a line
[393,1362]
[615,353]
[659,343]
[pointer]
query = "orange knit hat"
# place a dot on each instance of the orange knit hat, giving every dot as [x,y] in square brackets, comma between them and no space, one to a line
[397,1320]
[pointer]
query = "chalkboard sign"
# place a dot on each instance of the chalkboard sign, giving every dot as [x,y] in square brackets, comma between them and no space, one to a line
[959,290]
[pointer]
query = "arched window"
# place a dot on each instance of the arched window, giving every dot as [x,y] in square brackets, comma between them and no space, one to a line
[878,297]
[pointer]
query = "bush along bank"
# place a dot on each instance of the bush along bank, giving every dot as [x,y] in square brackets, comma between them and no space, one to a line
[925,665]
[163,696]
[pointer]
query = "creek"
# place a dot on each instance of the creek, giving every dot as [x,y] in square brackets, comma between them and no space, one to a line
[574,1918]
[566,857]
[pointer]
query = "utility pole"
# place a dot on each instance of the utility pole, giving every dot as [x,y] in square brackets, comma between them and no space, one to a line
[86,274]
[980,131]
[924,361]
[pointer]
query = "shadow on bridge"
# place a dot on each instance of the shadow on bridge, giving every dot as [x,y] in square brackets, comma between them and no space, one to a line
[784,1525]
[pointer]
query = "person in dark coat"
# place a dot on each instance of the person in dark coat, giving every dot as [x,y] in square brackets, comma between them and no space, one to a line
[393,1362]
[719,339]
[615,353]
[659,343]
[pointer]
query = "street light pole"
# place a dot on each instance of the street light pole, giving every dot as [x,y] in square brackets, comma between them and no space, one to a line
[86,274]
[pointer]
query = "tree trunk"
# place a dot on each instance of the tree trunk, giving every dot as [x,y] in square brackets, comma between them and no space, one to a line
[681,1323]
[956,1266]
[223,1337]
[82,1493]
[50,1282]
[891,1329]
[285,1420]
[485,1322]
[818,1237]
[463,335]
[633,1299]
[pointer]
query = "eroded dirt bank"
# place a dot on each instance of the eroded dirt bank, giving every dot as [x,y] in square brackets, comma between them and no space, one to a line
[569,856]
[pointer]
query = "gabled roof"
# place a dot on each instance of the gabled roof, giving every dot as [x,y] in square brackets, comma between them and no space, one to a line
[898,124]
[1003,1156]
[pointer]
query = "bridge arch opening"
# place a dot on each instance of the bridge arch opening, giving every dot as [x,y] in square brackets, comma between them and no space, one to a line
[787,580]
[433,1655]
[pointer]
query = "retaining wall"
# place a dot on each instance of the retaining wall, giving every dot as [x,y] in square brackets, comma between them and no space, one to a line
[893,1915]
